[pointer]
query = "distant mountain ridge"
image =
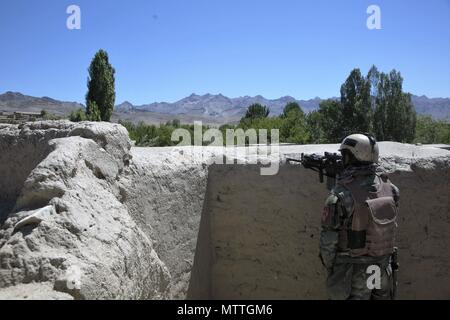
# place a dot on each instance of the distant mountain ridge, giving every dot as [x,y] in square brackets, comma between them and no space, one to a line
[438,108]
[220,106]
[15,101]
[215,107]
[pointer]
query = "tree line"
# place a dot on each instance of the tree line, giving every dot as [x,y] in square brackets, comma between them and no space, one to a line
[375,103]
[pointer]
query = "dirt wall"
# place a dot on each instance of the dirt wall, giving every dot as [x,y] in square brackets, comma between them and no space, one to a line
[263,233]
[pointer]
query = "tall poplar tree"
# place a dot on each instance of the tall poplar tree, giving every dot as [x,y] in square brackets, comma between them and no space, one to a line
[101,93]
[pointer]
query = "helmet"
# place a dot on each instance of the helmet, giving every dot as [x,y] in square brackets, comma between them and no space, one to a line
[363,147]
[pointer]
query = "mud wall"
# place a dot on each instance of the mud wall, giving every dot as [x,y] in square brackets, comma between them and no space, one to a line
[263,233]
[259,234]
[66,233]
[18,157]
[164,193]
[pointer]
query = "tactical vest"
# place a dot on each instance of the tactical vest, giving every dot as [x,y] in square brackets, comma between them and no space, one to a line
[370,229]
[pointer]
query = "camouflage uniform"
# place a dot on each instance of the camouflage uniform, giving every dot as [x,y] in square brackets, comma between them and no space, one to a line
[347,277]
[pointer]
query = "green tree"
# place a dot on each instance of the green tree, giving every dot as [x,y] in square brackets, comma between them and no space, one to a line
[257,110]
[356,104]
[373,79]
[381,105]
[101,87]
[266,123]
[293,124]
[429,130]
[408,119]
[393,111]
[291,106]
[394,115]
[314,127]
[176,123]
[94,111]
[77,116]
[332,121]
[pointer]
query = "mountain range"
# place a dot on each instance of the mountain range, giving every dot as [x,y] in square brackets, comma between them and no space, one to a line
[216,106]
[15,101]
[208,108]
[232,109]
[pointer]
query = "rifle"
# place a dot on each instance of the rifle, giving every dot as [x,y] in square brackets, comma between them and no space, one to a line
[329,165]
[395,267]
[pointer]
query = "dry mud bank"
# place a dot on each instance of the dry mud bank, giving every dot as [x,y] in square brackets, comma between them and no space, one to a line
[85,215]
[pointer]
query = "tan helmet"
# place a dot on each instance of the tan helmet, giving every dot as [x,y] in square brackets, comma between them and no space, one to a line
[363,147]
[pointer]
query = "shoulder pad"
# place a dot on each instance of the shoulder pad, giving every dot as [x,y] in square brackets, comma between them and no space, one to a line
[344,197]
[331,212]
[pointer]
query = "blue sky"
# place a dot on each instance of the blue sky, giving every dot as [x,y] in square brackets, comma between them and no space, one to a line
[165,50]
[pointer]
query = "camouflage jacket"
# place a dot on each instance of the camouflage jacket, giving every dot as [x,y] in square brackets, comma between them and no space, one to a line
[339,207]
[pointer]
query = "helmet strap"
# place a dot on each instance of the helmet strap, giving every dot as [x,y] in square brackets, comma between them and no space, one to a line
[371,139]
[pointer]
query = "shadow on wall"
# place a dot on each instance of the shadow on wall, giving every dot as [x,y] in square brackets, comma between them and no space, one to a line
[200,281]
[18,158]
[259,235]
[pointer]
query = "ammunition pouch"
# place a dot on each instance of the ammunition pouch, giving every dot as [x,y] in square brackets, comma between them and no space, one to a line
[372,228]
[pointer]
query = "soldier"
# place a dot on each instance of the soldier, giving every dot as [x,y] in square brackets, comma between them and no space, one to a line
[359,225]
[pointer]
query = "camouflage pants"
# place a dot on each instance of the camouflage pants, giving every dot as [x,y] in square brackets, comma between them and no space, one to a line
[349,281]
